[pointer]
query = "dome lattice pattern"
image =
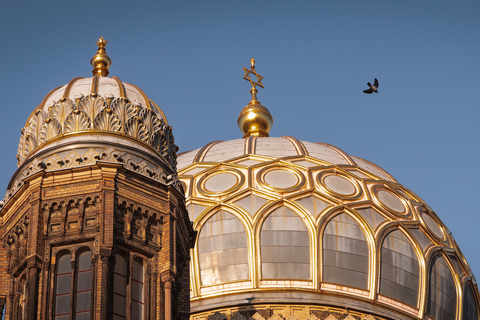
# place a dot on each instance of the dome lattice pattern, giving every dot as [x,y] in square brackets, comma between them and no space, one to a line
[278,214]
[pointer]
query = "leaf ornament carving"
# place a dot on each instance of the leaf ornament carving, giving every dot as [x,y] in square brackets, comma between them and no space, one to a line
[50,129]
[151,121]
[77,121]
[92,105]
[137,129]
[36,123]
[21,148]
[61,110]
[124,111]
[157,141]
[108,121]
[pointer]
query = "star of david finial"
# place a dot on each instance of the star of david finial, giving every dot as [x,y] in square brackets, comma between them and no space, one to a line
[101,43]
[252,71]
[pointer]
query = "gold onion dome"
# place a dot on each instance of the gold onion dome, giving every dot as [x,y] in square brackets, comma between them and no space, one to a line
[254,119]
[107,119]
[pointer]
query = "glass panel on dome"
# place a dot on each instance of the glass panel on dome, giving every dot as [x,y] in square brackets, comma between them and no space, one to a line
[251,203]
[399,273]
[372,216]
[222,250]
[340,185]
[345,253]
[281,179]
[422,239]
[194,210]
[442,295]
[313,205]
[221,182]
[285,246]
[432,225]
[470,308]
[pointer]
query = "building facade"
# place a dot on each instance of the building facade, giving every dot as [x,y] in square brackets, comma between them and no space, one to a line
[94,224]
[102,220]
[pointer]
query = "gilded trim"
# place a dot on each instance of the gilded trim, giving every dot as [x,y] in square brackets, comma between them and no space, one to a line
[299,147]
[250,145]
[66,93]
[121,87]
[203,151]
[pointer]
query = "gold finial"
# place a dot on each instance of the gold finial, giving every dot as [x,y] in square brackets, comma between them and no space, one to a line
[255,119]
[101,61]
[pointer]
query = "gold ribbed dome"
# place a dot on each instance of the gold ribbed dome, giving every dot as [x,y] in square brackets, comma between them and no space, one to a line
[99,105]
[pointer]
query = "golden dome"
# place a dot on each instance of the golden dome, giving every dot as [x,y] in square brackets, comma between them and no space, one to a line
[283,221]
[292,229]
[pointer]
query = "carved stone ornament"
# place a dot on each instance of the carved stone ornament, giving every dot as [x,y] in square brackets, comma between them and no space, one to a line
[15,241]
[275,317]
[140,222]
[89,156]
[93,112]
[75,214]
[257,316]
[294,317]
[312,317]
[238,316]
[217,316]
[331,317]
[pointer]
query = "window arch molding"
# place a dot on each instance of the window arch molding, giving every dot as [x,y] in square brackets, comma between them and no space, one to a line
[381,235]
[198,226]
[258,224]
[73,279]
[467,284]
[431,256]
[325,219]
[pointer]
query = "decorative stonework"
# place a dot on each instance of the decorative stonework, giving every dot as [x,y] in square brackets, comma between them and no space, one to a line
[80,157]
[97,114]
[71,214]
[257,316]
[139,222]
[15,241]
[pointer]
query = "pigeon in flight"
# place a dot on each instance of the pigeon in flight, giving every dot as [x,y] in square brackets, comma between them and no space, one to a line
[373,88]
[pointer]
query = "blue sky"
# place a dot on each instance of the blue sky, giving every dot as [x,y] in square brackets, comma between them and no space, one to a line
[316,57]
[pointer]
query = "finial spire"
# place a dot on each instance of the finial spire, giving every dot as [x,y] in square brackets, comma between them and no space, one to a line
[101,61]
[255,119]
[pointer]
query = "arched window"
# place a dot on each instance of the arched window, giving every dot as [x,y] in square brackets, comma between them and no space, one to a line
[400,271]
[23,297]
[138,285]
[222,250]
[73,284]
[470,309]
[84,286]
[285,246]
[119,288]
[442,293]
[63,287]
[128,284]
[345,253]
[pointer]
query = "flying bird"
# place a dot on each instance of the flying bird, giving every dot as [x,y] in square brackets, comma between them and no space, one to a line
[373,88]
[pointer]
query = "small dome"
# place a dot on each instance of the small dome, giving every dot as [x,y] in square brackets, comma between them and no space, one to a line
[283,221]
[96,119]
[97,105]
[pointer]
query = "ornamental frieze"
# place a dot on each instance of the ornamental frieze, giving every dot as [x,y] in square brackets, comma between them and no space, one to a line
[71,215]
[89,156]
[139,222]
[96,113]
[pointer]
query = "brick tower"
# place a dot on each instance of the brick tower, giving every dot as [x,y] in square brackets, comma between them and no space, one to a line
[94,224]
